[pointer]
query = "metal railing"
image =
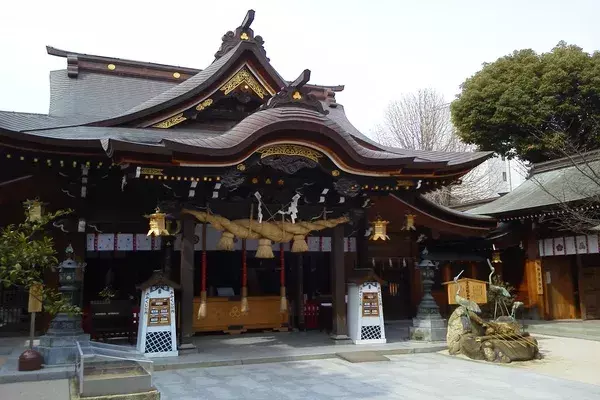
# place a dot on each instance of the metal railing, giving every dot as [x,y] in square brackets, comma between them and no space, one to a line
[96,351]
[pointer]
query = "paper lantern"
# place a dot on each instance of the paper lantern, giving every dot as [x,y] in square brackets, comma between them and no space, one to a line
[379,229]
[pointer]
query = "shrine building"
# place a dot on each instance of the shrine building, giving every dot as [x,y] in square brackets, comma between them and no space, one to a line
[265,199]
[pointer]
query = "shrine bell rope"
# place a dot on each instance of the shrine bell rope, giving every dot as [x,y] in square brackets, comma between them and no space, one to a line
[283,304]
[244,306]
[203,305]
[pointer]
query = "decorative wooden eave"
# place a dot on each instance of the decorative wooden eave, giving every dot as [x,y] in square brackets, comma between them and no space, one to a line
[158,279]
[435,217]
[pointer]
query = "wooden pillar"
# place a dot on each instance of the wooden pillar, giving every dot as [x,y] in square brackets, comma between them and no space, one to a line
[534,277]
[447,272]
[338,282]
[581,288]
[187,282]
[300,291]
[473,270]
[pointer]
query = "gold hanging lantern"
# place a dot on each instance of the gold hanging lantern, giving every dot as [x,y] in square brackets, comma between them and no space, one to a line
[379,229]
[158,224]
[35,211]
[496,257]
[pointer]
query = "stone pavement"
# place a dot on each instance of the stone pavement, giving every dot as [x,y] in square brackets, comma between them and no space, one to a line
[40,390]
[589,330]
[419,376]
[222,350]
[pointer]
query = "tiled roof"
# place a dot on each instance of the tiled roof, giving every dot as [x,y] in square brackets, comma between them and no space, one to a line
[556,182]
[99,96]
[19,121]
[338,115]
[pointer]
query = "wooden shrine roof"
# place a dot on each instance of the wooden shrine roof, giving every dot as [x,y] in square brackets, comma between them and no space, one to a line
[106,106]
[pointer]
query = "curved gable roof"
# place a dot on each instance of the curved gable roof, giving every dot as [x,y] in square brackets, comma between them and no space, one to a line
[195,85]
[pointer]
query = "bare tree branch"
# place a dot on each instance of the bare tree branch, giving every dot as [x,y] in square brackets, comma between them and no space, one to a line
[421,121]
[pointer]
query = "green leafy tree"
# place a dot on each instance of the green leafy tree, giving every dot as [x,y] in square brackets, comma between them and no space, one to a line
[531,105]
[26,253]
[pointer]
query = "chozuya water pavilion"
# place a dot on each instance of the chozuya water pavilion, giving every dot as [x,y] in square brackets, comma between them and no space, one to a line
[271,188]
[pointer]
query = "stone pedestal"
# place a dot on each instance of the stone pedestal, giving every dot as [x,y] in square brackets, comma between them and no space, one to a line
[58,345]
[428,325]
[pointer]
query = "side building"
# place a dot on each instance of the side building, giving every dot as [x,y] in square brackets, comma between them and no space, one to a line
[549,236]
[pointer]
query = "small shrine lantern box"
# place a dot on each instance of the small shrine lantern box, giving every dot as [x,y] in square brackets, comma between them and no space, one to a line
[471,289]
[157,335]
[365,311]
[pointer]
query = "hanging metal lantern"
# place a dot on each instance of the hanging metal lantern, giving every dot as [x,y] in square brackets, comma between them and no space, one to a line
[496,257]
[379,229]
[35,211]
[158,224]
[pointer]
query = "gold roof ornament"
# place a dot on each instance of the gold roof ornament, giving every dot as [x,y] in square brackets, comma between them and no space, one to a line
[158,224]
[379,229]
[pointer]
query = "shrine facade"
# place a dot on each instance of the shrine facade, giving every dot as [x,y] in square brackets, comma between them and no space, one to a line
[272,201]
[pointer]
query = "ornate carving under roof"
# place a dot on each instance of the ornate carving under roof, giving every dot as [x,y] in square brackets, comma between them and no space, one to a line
[243,32]
[297,95]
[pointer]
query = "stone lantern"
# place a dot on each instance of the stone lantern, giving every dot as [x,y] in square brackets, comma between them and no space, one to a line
[58,344]
[428,324]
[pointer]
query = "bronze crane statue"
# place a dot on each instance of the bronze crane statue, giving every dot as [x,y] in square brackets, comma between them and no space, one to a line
[499,291]
[466,304]
[515,306]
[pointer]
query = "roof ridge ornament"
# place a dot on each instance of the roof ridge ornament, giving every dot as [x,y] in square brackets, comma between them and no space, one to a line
[242,33]
[296,95]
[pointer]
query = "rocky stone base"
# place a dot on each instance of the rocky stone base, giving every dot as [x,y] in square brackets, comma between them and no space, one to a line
[494,341]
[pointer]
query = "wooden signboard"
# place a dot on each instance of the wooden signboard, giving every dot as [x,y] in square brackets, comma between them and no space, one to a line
[471,289]
[35,299]
[159,312]
[370,304]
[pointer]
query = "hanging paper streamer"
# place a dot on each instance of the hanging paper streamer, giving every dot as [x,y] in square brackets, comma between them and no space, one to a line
[292,210]
[260,214]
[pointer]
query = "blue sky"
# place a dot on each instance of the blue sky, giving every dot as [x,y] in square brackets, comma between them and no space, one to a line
[378,49]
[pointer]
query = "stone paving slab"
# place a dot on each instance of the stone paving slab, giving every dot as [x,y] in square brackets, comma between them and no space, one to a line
[588,330]
[362,356]
[40,390]
[226,350]
[247,356]
[407,377]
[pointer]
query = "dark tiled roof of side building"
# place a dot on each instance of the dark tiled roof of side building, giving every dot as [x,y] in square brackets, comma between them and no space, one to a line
[550,183]
[100,96]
